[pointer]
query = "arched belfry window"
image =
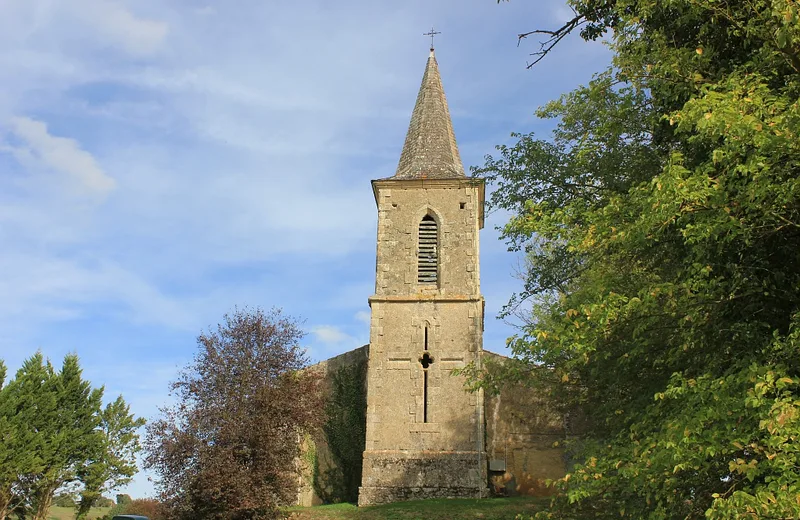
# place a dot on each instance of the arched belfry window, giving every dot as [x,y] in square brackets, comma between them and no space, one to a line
[428,253]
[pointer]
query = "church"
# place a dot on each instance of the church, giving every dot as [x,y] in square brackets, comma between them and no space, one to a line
[414,431]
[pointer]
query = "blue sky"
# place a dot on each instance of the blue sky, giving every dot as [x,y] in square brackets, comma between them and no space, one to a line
[163,162]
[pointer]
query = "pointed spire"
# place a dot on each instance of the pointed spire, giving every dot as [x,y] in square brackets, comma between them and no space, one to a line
[430,151]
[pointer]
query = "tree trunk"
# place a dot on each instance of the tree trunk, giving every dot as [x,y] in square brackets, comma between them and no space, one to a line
[88,498]
[4,503]
[43,502]
[6,499]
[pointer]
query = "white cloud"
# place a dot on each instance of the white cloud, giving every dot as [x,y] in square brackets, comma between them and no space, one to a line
[363,316]
[331,340]
[56,289]
[330,334]
[115,23]
[61,154]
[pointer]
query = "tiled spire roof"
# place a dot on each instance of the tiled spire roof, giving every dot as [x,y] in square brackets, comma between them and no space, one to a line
[430,151]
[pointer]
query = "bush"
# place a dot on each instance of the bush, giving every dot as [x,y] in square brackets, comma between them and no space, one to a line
[148,507]
[64,500]
[104,502]
[118,509]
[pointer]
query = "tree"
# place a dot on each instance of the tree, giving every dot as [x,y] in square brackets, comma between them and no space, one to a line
[68,431]
[151,508]
[62,413]
[227,449]
[14,458]
[115,463]
[50,423]
[30,408]
[662,229]
[104,501]
[64,499]
[148,507]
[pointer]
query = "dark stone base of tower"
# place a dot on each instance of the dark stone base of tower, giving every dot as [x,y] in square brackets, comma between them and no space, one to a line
[397,476]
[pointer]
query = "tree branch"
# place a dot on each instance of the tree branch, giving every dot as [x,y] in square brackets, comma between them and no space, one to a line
[554,37]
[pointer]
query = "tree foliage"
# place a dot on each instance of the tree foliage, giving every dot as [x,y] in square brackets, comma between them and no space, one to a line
[227,449]
[52,430]
[115,463]
[661,225]
[149,507]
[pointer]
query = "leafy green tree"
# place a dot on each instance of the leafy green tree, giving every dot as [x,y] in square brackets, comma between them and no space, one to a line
[53,430]
[227,449]
[67,431]
[27,401]
[114,463]
[64,500]
[662,229]
[13,459]
[104,501]
[120,507]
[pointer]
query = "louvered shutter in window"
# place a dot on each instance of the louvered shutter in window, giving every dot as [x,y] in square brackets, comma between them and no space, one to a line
[428,256]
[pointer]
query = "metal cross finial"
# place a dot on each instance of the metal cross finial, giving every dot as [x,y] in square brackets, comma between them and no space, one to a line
[431,34]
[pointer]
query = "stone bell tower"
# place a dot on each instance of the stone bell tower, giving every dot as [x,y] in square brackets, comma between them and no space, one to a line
[425,436]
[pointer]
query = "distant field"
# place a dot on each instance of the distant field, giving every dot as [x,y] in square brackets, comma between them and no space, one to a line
[68,513]
[455,509]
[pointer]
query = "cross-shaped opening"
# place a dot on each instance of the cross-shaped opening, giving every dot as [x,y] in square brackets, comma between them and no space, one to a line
[426,361]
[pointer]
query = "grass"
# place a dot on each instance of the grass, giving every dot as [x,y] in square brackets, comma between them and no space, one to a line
[68,513]
[435,509]
[438,509]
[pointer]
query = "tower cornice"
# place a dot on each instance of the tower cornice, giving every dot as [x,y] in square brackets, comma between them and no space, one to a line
[463,182]
[412,298]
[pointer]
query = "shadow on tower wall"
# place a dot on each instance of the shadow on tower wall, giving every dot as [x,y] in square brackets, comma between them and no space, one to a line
[525,431]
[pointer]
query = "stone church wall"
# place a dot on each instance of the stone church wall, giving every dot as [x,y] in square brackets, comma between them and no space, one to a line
[329,468]
[524,435]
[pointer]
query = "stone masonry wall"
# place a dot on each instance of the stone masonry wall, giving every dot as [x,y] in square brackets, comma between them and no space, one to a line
[524,433]
[457,206]
[521,432]
[425,433]
[320,475]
